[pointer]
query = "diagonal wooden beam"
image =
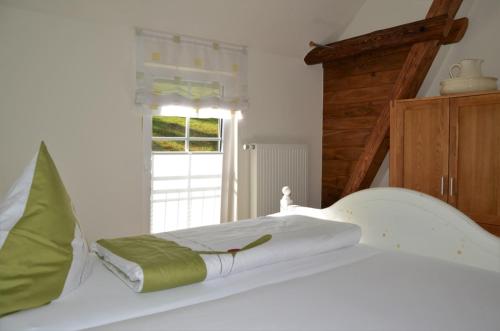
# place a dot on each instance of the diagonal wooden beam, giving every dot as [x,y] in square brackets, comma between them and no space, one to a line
[444,7]
[411,77]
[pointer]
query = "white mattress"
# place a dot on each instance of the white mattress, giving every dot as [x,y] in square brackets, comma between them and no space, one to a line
[105,299]
[358,288]
[388,291]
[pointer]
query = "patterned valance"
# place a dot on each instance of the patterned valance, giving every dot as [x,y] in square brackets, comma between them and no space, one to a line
[175,70]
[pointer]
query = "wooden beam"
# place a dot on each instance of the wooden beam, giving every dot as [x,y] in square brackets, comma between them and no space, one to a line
[457,31]
[417,64]
[444,7]
[406,34]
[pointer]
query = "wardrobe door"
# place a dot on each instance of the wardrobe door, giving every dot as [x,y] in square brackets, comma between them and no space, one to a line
[475,158]
[419,146]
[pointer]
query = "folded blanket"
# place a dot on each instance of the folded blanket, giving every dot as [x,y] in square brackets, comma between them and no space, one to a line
[154,262]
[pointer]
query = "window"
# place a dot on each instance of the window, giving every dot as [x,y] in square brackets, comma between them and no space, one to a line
[185,134]
[186,172]
[184,87]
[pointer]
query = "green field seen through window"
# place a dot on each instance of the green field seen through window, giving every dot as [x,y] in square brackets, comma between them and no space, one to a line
[171,126]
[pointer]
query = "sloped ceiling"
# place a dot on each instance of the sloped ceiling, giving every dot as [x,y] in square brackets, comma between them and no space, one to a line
[282,27]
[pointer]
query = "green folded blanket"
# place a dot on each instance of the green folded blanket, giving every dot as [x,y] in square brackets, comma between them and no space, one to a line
[157,263]
[166,260]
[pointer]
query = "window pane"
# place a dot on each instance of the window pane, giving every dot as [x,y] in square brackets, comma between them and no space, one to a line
[204,127]
[178,201]
[168,146]
[171,165]
[203,146]
[187,89]
[206,164]
[169,126]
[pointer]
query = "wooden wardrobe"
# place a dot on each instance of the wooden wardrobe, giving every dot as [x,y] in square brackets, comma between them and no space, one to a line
[449,147]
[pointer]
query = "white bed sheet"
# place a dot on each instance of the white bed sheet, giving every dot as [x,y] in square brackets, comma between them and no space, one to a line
[388,291]
[105,299]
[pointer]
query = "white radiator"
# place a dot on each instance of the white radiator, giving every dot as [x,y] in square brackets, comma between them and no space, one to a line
[273,166]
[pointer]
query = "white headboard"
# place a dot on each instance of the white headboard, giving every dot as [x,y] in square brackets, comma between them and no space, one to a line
[413,222]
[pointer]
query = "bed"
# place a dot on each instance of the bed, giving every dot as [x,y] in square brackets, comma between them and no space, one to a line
[421,265]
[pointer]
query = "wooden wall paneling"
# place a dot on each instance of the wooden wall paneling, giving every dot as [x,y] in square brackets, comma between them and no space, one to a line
[340,167]
[494,229]
[345,138]
[350,111]
[367,108]
[373,78]
[377,160]
[346,153]
[361,76]
[346,123]
[364,94]
[410,78]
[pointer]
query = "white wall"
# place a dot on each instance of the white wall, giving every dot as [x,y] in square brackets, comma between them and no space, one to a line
[286,107]
[380,14]
[480,41]
[70,81]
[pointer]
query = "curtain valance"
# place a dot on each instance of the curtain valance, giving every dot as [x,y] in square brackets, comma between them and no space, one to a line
[175,70]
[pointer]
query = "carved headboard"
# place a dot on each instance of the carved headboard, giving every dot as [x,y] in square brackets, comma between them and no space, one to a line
[413,222]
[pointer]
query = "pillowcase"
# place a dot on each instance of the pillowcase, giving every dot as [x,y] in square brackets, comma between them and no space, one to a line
[43,254]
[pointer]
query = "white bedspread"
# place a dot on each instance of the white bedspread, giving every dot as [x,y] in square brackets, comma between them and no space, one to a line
[357,288]
[388,291]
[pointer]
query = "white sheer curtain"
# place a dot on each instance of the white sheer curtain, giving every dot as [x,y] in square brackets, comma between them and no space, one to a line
[207,79]
[229,195]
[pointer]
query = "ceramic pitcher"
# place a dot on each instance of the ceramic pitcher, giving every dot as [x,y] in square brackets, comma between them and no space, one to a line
[468,68]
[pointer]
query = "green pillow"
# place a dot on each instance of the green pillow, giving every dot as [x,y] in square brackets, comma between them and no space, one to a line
[43,254]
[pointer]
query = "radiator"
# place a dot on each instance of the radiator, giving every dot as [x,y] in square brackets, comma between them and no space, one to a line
[273,166]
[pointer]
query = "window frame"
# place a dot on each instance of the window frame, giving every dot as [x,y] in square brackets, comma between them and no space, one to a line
[188,138]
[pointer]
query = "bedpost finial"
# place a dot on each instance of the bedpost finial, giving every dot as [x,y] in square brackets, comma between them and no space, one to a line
[285,201]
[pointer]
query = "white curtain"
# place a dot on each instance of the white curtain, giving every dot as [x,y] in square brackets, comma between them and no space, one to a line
[229,195]
[185,76]
[186,71]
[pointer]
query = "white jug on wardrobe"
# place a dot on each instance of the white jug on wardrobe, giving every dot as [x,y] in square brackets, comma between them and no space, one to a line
[468,68]
[467,77]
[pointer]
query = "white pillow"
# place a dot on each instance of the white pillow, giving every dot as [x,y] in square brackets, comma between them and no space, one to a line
[43,254]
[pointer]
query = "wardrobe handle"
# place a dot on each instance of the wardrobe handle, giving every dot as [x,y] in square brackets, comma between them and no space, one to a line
[451,186]
[442,185]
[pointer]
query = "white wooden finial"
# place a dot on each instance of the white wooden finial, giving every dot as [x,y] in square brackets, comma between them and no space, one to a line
[285,201]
